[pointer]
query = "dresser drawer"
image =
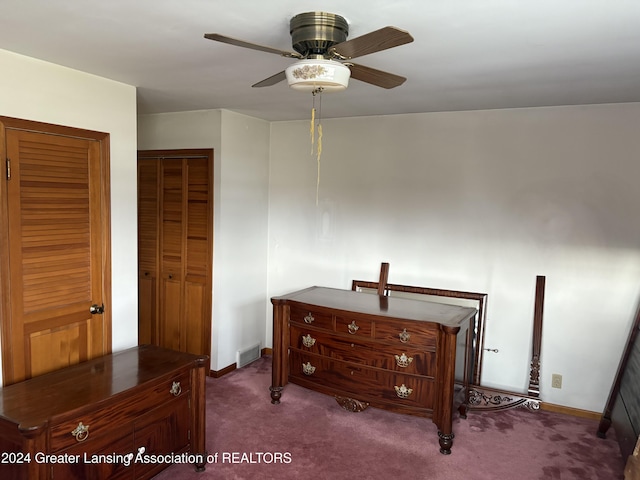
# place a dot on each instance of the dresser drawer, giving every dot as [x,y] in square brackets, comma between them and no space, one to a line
[354,327]
[406,333]
[85,425]
[311,317]
[363,382]
[397,358]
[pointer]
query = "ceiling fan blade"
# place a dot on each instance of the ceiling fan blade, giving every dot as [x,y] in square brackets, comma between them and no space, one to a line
[376,41]
[272,80]
[375,77]
[254,46]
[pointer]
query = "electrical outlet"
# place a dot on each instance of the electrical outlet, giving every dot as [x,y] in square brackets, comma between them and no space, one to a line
[556,380]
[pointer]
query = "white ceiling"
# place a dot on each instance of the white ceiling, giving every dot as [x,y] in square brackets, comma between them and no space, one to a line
[467,54]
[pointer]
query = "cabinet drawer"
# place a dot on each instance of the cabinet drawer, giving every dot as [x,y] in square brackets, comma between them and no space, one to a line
[115,465]
[398,358]
[116,414]
[363,382]
[407,333]
[310,317]
[354,327]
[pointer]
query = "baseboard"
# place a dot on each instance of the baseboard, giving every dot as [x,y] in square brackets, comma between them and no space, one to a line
[224,371]
[233,366]
[575,412]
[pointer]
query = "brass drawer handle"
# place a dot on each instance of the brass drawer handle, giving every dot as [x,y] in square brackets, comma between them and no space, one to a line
[402,391]
[308,369]
[309,318]
[81,432]
[308,341]
[353,328]
[176,389]
[403,361]
[404,336]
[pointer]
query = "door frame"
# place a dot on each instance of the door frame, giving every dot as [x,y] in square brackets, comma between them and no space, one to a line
[103,139]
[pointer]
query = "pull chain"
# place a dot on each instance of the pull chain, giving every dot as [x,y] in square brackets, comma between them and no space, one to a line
[318,92]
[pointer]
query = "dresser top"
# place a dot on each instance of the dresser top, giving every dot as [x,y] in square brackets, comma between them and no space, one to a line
[368,304]
[88,383]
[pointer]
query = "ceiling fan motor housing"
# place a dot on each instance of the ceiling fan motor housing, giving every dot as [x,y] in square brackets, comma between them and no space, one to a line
[313,33]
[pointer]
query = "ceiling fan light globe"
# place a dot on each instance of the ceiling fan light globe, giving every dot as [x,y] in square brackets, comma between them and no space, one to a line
[309,75]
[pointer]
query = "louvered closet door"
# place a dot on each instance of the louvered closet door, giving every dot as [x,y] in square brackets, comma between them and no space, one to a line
[175,240]
[55,252]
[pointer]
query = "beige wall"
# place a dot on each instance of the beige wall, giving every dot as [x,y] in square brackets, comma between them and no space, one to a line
[40,91]
[479,201]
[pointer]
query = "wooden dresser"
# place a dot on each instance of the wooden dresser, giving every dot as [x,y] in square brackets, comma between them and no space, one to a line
[124,416]
[622,409]
[403,355]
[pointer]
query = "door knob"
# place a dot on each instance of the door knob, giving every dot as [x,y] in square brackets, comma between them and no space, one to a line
[96,309]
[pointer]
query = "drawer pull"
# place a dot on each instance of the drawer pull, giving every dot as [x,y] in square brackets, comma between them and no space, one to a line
[353,328]
[309,318]
[81,432]
[403,361]
[308,369]
[404,336]
[402,391]
[176,389]
[308,341]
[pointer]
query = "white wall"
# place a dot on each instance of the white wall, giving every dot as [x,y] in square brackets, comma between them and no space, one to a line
[241,169]
[44,92]
[479,201]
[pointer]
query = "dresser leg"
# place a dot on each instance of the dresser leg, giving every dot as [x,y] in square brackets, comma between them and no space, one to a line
[276,393]
[446,441]
[603,426]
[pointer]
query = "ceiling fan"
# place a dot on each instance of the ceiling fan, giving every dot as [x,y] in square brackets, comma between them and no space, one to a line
[324,54]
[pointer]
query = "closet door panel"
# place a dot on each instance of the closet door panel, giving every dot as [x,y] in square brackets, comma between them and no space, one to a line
[198,228]
[170,316]
[198,241]
[194,338]
[171,216]
[148,213]
[171,252]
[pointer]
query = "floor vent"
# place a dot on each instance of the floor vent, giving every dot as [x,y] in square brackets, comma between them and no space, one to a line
[248,355]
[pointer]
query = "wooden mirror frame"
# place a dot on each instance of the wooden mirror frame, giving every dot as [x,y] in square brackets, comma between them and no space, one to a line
[475,300]
[480,398]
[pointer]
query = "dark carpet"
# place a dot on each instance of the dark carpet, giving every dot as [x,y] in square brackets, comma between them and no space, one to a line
[310,436]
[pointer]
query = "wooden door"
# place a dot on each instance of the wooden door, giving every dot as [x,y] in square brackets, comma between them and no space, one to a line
[175,248]
[55,272]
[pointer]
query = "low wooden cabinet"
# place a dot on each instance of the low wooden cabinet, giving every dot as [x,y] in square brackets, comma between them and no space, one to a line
[121,416]
[403,355]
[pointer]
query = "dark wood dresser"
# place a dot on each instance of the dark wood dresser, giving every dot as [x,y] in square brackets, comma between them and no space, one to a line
[124,416]
[623,405]
[407,356]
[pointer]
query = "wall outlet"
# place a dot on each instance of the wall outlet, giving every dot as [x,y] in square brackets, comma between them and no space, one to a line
[556,380]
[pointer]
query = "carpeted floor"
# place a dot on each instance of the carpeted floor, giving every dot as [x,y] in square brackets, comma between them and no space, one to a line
[309,436]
